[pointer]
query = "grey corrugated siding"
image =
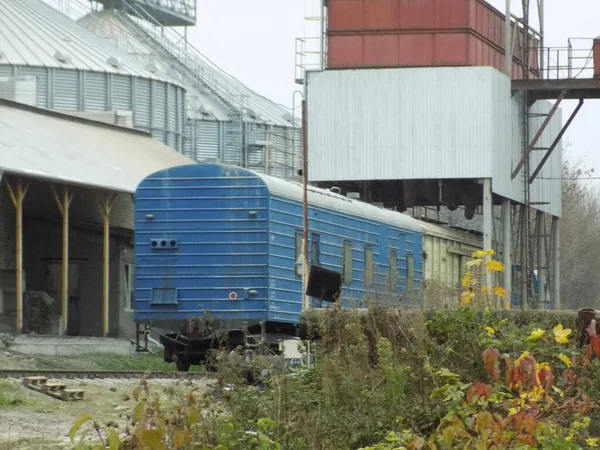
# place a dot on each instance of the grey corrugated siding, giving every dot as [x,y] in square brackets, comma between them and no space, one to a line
[41,75]
[207,139]
[121,92]
[437,122]
[95,91]
[159,105]
[142,99]
[66,90]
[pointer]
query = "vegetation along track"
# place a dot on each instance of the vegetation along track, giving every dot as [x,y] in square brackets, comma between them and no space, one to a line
[95,374]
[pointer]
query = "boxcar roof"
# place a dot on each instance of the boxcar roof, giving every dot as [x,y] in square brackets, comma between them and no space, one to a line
[332,201]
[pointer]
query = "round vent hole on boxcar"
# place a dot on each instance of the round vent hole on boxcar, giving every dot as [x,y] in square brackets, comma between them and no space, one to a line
[154,243]
[173,243]
[163,243]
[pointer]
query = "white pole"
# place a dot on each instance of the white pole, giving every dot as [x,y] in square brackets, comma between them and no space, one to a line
[541,258]
[507,43]
[487,225]
[556,263]
[506,249]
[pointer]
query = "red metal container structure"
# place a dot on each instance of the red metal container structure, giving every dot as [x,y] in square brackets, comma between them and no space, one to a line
[597,57]
[420,33]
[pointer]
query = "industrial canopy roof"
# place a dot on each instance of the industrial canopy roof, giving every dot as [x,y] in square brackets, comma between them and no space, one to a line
[36,143]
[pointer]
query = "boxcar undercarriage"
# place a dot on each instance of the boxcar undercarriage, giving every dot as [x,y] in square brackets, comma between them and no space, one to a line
[194,343]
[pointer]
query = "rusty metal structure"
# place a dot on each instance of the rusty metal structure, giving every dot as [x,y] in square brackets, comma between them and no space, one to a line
[520,219]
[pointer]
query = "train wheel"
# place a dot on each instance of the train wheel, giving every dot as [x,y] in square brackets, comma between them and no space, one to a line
[182,363]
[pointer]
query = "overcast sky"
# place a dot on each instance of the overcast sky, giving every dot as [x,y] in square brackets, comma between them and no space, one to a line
[255,42]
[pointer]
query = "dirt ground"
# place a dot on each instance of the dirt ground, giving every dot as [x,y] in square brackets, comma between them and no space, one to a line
[32,420]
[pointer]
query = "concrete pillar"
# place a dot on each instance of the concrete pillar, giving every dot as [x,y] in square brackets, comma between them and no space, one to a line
[487,225]
[506,251]
[555,263]
[542,263]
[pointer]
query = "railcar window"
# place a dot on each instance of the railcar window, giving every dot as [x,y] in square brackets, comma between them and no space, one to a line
[393,270]
[298,261]
[410,272]
[347,262]
[315,250]
[368,267]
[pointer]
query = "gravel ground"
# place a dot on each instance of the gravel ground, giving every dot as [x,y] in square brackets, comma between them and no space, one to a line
[32,420]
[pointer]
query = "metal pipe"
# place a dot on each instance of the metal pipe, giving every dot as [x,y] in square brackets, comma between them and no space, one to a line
[507,43]
[322,50]
[556,263]
[487,227]
[541,19]
[305,302]
[541,257]
[506,251]
[523,255]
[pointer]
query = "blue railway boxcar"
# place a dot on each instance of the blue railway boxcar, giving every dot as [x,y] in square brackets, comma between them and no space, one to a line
[216,249]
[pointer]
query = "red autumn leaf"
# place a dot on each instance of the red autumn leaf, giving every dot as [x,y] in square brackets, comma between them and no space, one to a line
[471,394]
[487,390]
[509,371]
[490,357]
[549,381]
[591,328]
[517,420]
[529,424]
[595,343]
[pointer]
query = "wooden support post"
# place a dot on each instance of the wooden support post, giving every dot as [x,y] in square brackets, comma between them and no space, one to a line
[64,201]
[17,194]
[105,207]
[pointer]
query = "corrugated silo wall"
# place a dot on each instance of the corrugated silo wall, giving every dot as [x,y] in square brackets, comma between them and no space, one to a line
[158,107]
[245,145]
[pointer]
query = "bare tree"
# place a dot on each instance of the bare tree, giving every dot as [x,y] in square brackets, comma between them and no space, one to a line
[579,238]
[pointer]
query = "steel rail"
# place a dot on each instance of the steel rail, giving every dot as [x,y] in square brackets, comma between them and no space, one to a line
[98,374]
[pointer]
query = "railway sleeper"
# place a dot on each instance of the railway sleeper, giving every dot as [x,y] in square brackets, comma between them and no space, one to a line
[54,389]
[34,383]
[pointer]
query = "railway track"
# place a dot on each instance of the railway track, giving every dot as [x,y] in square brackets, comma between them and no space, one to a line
[99,374]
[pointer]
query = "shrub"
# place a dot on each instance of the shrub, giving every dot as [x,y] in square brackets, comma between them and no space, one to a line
[386,378]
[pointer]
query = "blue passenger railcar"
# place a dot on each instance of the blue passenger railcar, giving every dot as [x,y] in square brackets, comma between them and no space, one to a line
[216,249]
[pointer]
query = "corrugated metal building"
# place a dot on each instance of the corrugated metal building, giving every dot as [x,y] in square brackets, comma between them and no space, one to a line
[426,123]
[226,121]
[71,69]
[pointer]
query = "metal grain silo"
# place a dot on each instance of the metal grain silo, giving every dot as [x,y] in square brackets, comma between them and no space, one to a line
[225,120]
[48,60]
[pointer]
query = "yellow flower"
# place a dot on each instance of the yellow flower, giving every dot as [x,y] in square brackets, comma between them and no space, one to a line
[535,335]
[565,359]
[561,334]
[500,291]
[592,442]
[525,354]
[490,330]
[466,297]
[467,279]
[536,394]
[473,262]
[541,366]
[494,266]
